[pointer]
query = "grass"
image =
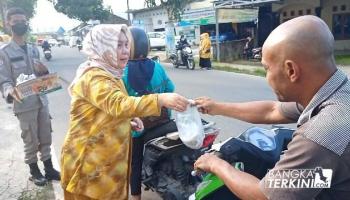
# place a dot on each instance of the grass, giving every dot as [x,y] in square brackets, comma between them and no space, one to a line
[255,70]
[227,68]
[342,59]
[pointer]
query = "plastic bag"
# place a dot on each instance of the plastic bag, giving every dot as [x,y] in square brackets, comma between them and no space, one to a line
[190,127]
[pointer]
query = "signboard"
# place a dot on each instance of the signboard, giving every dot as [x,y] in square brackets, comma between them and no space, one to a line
[169,38]
[207,16]
[237,15]
[138,23]
[203,16]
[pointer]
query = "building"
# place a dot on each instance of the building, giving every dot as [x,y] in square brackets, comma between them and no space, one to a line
[82,29]
[336,13]
[199,17]
[150,19]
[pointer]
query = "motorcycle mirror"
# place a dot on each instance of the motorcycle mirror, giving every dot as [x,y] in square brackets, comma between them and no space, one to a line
[173,136]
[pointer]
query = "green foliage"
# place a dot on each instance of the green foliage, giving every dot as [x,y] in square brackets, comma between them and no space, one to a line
[173,7]
[83,10]
[27,5]
[342,60]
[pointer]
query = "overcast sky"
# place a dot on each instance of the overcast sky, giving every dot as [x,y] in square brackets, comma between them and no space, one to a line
[48,19]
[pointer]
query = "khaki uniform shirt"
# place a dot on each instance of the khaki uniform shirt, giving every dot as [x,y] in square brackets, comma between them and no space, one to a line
[321,140]
[13,62]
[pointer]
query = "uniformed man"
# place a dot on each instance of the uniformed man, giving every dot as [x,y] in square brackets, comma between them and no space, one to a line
[18,57]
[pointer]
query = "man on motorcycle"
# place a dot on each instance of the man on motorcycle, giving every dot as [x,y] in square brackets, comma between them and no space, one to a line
[312,92]
[79,45]
[46,46]
[182,43]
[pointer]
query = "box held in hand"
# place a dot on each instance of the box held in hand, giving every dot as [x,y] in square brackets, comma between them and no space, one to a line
[40,85]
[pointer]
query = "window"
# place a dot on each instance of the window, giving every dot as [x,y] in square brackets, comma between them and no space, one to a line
[300,12]
[341,26]
[335,8]
[292,13]
[284,14]
[308,11]
[152,35]
[343,7]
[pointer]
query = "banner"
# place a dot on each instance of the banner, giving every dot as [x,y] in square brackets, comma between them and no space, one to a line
[237,15]
[207,16]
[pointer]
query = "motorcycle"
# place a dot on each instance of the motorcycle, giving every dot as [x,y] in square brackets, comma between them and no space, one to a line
[80,47]
[255,151]
[168,163]
[254,53]
[47,54]
[183,55]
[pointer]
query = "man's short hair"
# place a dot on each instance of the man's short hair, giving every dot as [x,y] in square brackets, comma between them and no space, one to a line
[15,11]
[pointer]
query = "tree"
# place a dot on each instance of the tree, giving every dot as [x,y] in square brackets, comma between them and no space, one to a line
[83,10]
[174,7]
[27,5]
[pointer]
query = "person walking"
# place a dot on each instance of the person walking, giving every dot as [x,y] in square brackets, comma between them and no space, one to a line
[204,51]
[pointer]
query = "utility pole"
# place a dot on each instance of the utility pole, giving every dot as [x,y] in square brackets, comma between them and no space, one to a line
[127,3]
[217,28]
[3,8]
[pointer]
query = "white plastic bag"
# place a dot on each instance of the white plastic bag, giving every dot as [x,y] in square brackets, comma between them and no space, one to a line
[190,127]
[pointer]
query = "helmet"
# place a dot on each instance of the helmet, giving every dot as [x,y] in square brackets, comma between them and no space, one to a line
[140,46]
[182,37]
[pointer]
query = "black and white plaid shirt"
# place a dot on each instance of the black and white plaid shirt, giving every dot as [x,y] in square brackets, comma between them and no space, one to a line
[328,114]
[321,140]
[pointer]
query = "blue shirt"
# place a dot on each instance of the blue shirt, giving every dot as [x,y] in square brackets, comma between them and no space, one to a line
[160,83]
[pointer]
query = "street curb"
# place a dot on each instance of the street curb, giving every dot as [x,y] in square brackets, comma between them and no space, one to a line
[56,185]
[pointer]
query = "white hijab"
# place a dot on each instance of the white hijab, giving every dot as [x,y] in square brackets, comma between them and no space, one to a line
[100,45]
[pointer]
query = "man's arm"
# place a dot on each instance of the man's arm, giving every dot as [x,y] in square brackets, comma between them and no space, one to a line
[257,112]
[243,185]
[6,82]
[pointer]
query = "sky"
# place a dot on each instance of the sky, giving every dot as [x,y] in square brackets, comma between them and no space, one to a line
[48,19]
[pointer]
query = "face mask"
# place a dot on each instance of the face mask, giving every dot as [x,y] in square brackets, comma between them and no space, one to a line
[20,28]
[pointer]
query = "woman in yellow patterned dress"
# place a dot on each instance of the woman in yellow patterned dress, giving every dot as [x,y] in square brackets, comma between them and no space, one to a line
[96,152]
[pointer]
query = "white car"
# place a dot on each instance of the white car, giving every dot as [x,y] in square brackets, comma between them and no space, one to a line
[53,42]
[156,40]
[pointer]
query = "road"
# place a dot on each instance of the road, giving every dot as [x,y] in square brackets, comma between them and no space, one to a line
[218,85]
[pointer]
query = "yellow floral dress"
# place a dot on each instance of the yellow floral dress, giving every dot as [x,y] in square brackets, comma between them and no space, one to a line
[96,152]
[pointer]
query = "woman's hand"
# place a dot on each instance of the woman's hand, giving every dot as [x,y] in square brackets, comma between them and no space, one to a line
[173,101]
[206,105]
[137,124]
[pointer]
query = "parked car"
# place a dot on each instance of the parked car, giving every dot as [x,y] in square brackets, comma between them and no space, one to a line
[156,40]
